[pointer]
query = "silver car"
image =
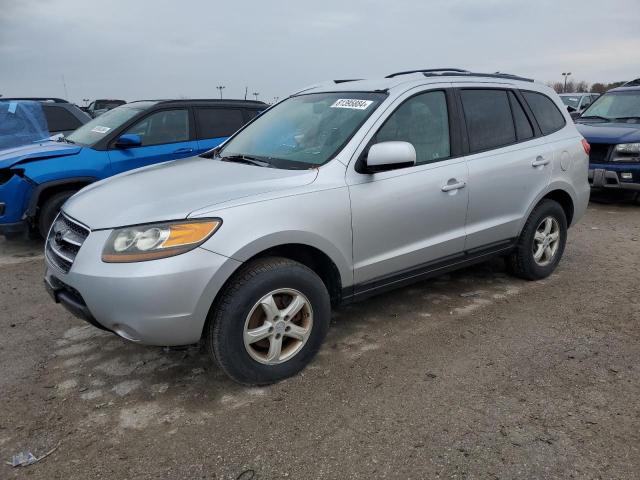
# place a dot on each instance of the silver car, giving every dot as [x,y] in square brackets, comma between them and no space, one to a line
[341,191]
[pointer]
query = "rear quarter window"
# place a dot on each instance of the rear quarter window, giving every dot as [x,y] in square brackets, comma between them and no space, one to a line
[546,112]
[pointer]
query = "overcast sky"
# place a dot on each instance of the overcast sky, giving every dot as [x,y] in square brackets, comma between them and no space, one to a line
[164,49]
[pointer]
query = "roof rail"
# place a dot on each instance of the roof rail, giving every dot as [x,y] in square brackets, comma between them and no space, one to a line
[346,80]
[456,72]
[632,83]
[427,70]
[37,99]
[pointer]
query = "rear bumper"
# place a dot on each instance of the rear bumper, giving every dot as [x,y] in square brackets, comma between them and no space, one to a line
[610,176]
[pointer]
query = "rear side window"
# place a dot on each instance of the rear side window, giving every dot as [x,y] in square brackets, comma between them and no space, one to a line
[487,114]
[59,119]
[524,130]
[547,114]
[218,122]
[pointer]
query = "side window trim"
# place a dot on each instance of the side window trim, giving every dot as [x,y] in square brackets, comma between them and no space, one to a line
[527,110]
[455,132]
[513,98]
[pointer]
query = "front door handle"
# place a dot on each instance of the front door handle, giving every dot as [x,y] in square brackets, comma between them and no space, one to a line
[453,184]
[183,150]
[540,162]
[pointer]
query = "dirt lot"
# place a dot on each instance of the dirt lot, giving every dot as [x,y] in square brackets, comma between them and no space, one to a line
[519,380]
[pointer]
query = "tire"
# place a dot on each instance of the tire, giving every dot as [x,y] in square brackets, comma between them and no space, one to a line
[49,210]
[239,314]
[522,261]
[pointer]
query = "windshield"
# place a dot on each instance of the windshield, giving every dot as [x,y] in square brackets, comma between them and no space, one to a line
[95,130]
[570,101]
[304,131]
[21,123]
[616,105]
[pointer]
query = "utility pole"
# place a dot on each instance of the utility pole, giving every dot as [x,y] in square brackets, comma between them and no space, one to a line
[220,88]
[565,75]
[255,94]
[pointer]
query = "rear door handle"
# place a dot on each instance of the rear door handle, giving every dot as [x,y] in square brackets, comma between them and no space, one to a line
[540,162]
[183,150]
[453,186]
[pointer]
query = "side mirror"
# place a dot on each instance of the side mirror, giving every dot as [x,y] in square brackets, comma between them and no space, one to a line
[128,140]
[390,155]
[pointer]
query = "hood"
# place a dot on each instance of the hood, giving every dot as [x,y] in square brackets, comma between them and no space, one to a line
[610,132]
[36,151]
[172,190]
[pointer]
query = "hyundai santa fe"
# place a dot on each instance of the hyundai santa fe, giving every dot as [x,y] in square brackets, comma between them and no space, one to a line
[341,191]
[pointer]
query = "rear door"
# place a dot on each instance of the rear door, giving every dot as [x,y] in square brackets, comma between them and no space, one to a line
[509,164]
[215,124]
[166,135]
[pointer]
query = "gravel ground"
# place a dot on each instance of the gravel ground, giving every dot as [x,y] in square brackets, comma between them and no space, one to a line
[470,375]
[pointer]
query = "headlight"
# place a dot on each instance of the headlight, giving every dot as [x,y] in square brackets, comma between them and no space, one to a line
[628,148]
[160,240]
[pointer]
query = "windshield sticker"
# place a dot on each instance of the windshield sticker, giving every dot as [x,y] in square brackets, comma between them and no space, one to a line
[100,129]
[12,107]
[352,103]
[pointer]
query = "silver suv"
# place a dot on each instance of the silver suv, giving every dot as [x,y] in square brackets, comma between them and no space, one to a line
[341,191]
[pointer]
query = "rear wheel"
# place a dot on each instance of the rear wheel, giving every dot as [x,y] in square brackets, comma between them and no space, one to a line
[49,210]
[541,243]
[270,321]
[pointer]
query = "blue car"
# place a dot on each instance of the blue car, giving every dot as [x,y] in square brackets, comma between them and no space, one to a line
[37,178]
[611,125]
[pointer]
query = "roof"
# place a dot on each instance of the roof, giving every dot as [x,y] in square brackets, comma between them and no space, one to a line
[36,99]
[189,101]
[574,94]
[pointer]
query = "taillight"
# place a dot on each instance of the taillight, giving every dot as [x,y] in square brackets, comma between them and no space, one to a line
[586,146]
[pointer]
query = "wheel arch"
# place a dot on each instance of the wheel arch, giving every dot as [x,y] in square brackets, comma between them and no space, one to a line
[560,192]
[45,190]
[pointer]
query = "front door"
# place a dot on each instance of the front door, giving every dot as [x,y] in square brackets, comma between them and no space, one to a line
[407,219]
[165,135]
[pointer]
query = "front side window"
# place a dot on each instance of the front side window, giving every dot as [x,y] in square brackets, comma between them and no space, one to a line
[306,130]
[423,121]
[97,129]
[488,118]
[218,122]
[620,106]
[166,126]
[547,114]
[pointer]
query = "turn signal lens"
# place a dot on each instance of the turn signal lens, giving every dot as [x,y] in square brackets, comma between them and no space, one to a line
[150,242]
[586,146]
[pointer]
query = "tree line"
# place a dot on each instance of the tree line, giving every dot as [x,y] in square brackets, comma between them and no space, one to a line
[583,87]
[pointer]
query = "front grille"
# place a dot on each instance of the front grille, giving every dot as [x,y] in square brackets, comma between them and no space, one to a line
[64,241]
[599,152]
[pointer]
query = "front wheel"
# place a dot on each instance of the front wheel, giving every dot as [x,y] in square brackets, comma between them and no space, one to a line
[541,243]
[50,209]
[269,322]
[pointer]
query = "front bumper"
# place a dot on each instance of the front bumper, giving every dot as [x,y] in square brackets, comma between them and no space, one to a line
[609,176]
[159,302]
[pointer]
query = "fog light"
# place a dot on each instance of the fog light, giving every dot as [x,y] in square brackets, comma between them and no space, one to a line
[626,175]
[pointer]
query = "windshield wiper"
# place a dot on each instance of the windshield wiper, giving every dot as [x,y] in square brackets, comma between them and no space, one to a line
[627,118]
[246,159]
[596,117]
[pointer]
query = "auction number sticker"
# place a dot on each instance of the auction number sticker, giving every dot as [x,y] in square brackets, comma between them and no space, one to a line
[100,129]
[352,103]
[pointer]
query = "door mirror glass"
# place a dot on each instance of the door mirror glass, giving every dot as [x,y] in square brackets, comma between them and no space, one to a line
[390,155]
[128,140]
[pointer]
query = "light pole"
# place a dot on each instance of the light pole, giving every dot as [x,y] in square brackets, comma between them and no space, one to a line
[255,94]
[565,75]
[220,88]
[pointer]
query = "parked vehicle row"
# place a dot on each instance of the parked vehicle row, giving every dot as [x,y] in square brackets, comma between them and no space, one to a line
[102,105]
[37,178]
[611,125]
[578,102]
[339,192]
